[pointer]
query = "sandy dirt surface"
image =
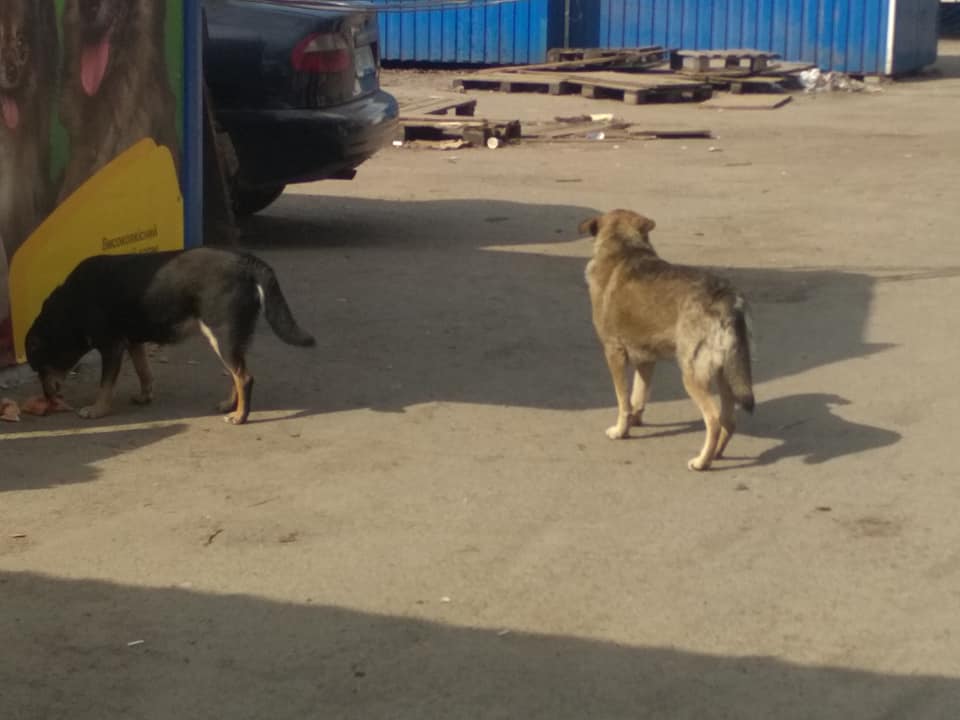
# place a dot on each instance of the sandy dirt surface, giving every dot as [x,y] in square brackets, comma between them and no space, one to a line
[424,518]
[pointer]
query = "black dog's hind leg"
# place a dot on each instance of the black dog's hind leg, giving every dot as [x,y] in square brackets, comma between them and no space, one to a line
[138,353]
[233,354]
[111,360]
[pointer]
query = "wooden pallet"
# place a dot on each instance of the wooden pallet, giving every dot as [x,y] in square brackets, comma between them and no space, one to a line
[438,105]
[476,131]
[509,82]
[635,89]
[743,83]
[631,88]
[651,53]
[704,62]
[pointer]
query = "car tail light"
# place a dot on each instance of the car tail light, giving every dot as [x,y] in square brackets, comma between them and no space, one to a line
[322,53]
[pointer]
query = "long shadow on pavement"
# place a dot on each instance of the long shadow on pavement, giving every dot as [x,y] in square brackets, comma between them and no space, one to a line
[67,653]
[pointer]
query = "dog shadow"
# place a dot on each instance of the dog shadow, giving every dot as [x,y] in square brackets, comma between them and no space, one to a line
[804,426]
[60,452]
[807,427]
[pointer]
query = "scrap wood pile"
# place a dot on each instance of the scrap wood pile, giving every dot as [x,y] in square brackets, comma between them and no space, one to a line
[449,122]
[428,122]
[641,75]
[604,126]
[633,75]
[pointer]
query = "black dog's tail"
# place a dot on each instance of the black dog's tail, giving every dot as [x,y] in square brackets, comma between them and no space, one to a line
[275,306]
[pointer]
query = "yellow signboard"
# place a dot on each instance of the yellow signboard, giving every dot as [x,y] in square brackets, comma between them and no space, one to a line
[132,205]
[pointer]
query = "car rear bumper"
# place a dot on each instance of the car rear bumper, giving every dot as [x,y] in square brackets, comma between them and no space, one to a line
[280,147]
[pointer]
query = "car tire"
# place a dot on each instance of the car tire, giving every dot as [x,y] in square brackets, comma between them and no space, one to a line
[251,200]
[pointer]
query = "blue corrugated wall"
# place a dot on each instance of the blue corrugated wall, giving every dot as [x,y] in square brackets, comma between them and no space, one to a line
[479,33]
[846,35]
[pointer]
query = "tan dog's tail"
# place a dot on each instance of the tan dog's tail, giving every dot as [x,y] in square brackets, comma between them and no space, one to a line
[737,367]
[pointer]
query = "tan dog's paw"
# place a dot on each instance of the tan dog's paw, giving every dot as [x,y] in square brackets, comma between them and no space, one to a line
[618,432]
[234,420]
[695,464]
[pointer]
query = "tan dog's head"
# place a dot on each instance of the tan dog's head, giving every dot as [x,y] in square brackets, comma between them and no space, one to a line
[619,230]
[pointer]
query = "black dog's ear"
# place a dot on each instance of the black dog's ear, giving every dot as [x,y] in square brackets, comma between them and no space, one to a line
[591,226]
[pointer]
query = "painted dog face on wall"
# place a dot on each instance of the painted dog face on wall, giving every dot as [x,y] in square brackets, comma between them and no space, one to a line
[99,26]
[15,60]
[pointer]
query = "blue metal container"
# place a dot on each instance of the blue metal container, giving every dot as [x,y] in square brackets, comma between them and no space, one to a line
[481,32]
[885,37]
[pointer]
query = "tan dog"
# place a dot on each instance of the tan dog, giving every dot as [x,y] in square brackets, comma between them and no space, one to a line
[645,310]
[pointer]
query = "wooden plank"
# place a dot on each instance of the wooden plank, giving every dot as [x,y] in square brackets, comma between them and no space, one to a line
[634,81]
[553,83]
[671,134]
[726,52]
[745,102]
[561,54]
[579,65]
[437,105]
[632,88]
[700,62]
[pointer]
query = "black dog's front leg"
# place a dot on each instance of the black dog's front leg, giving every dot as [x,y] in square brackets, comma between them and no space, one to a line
[111,357]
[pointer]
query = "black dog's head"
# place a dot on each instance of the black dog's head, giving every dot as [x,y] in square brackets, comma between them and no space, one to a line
[55,343]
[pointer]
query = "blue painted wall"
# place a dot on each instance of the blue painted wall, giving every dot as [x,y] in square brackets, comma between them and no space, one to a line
[480,32]
[846,35]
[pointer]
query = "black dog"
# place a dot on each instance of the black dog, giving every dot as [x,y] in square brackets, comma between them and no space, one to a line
[116,303]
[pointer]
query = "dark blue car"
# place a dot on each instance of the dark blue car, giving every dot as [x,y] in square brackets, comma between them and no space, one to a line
[298,91]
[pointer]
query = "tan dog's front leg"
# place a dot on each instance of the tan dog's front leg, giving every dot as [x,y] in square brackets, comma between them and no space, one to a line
[641,391]
[112,359]
[617,362]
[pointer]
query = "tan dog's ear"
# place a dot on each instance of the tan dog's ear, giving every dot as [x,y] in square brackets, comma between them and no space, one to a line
[644,224]
[591,226]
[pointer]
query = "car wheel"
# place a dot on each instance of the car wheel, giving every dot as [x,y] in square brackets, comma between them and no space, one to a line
[251,200]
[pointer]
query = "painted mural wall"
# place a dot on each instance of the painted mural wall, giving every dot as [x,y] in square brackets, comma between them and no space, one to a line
[91,142]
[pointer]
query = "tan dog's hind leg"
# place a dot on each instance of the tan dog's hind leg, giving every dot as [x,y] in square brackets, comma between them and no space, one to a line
[617,362]
[138,353]
[728,423]
[700,393]
[641,391]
